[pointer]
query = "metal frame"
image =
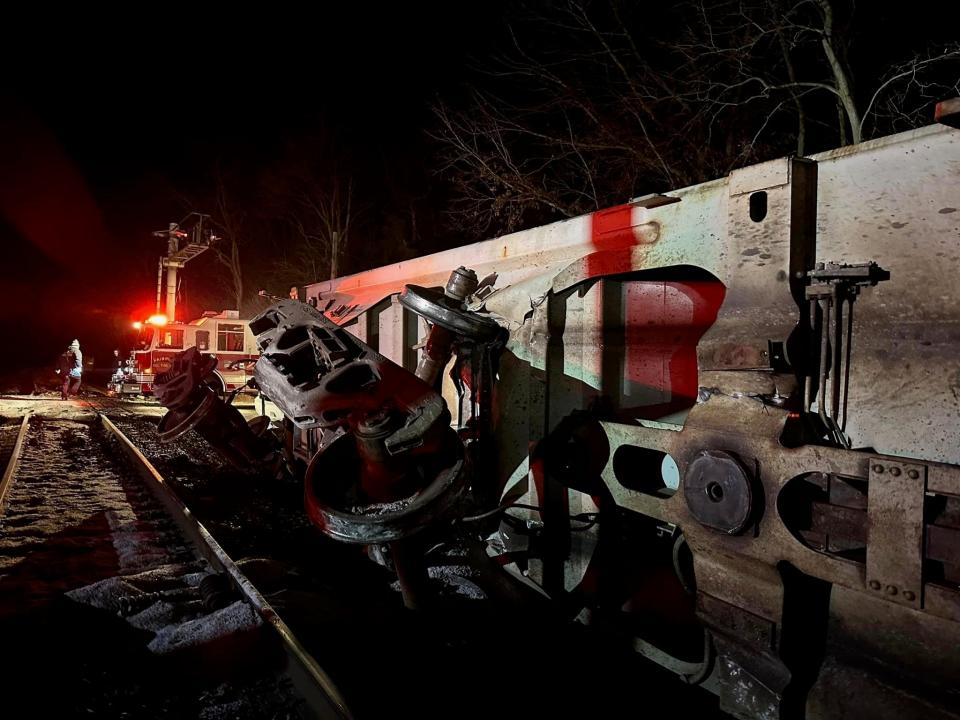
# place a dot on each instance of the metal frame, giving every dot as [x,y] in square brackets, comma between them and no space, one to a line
[608,313]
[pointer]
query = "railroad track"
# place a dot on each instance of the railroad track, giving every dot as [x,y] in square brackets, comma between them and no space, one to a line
[88,525]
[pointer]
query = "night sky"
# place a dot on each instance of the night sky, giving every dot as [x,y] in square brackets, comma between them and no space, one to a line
[108,122]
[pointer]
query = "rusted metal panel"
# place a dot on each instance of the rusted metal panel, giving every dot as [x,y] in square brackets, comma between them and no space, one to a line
[747,627]
[943,544]
[895,536]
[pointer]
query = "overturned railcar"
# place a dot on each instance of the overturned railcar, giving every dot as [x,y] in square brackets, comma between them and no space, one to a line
[719,422]
[758,380]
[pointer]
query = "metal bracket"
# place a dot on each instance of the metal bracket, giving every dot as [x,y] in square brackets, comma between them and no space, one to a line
[833,286]
[895,498]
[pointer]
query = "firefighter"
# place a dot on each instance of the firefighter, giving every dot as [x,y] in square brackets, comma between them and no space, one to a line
[116,380]
[71,367]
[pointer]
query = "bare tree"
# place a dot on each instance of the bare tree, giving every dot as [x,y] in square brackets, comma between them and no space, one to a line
[314,198]
[318,222]
[582,121]
[499,179]
[229,222]
[903,98]
[593,107]
[761,53]
[325,217]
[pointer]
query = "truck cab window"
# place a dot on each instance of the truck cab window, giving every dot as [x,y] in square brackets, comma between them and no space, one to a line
[172,339]
[145,338]
[229,337]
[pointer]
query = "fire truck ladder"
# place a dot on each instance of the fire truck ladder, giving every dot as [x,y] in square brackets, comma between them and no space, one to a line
[196,242]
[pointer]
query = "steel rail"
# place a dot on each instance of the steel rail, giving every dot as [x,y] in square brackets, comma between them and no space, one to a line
[323,698]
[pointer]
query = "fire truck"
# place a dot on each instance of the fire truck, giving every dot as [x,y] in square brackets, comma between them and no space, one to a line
[222,334]
[161,336]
